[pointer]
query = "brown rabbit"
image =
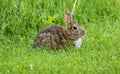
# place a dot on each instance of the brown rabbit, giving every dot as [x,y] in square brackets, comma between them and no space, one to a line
[55,36]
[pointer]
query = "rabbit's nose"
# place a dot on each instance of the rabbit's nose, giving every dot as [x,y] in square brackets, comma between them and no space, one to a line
[83,32]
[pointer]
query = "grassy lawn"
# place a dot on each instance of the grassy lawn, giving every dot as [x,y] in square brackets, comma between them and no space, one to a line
[20,20]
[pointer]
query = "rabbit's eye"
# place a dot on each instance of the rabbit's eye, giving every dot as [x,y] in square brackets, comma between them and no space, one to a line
[74,27]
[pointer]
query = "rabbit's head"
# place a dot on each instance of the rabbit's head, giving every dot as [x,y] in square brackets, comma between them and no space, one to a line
[74,30]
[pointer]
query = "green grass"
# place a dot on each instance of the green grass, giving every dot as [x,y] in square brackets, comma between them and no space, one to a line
[20,20]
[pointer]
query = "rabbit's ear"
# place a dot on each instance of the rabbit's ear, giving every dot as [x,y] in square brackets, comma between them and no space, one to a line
[67,17]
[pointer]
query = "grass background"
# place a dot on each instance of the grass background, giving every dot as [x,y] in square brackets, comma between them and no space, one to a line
[20,20]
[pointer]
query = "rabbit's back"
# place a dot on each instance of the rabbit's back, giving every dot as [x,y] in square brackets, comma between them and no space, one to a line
[52,37]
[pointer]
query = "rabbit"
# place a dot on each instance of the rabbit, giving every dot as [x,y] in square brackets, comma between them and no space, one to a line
[55,37]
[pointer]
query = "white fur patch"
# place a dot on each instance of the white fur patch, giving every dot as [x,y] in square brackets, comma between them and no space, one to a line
[78,43]
[45,34]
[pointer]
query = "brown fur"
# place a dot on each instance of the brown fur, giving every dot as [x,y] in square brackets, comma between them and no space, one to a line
[52,37]
[55,37]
